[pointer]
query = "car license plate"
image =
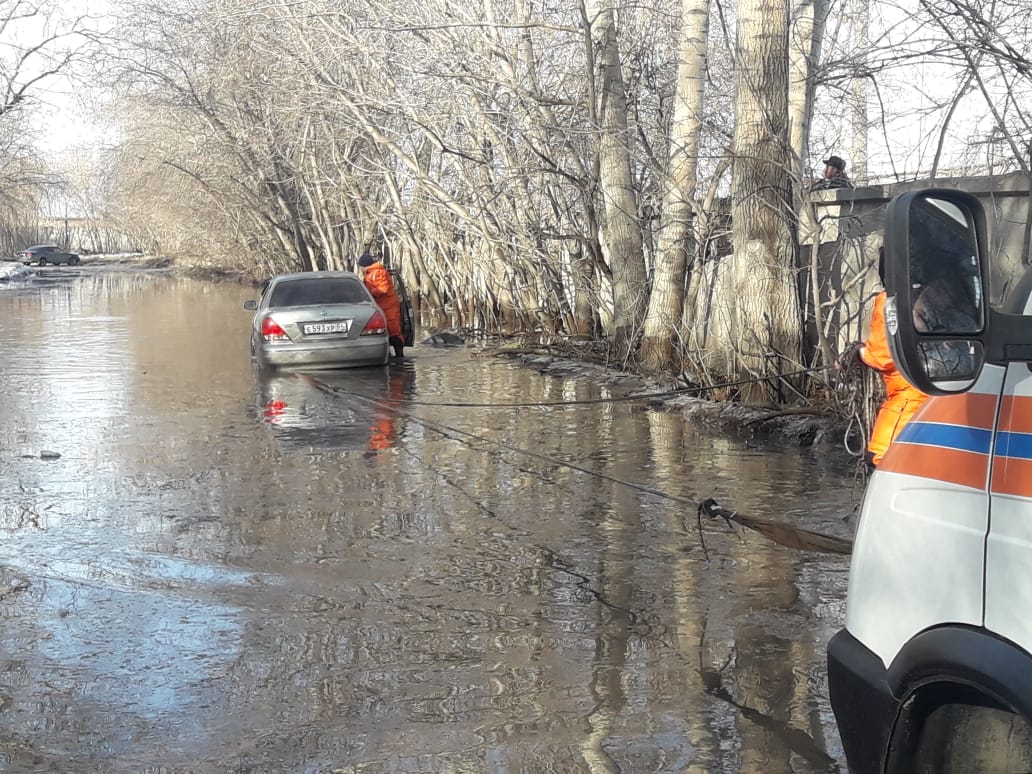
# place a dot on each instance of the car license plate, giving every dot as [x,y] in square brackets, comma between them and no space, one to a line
[338,326]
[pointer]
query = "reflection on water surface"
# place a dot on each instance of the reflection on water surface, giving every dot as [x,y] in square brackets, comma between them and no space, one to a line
[228,570]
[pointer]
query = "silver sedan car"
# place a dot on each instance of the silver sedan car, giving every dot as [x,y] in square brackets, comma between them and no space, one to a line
[316,320]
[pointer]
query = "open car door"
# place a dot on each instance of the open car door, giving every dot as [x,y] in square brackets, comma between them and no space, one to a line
[408,318]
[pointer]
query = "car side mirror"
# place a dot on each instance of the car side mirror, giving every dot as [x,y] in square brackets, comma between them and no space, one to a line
[936,276]
[250,305]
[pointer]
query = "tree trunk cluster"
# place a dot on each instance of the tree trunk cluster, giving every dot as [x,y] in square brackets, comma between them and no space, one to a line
[635,175]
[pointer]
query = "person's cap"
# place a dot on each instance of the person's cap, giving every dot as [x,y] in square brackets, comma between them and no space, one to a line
[366,260]
[835,161]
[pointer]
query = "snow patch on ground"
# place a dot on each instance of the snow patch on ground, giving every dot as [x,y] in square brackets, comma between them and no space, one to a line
[14,272]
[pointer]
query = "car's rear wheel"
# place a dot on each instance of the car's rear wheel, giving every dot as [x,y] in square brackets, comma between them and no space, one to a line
[73,260]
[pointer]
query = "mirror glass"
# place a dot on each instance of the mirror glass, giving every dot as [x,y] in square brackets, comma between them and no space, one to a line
[946,291]
[951,360]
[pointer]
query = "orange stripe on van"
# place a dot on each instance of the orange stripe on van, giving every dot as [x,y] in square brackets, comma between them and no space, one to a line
[1016,414]
[1012,476]
[935,462]
[970,409]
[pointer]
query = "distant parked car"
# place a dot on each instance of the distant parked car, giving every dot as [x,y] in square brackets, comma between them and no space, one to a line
[316,320]
[41,255]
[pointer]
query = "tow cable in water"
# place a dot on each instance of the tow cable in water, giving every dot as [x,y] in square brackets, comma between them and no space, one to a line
[796,740]
[779,532]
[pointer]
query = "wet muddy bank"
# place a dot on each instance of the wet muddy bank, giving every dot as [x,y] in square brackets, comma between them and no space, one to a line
[804,427]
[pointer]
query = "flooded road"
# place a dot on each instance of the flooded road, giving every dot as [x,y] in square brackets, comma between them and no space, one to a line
[227,572]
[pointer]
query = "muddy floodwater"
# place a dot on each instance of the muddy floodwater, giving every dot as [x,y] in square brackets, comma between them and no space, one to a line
[207,569]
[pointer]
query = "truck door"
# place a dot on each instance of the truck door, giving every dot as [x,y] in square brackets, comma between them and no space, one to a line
[1008,590]
[919,555]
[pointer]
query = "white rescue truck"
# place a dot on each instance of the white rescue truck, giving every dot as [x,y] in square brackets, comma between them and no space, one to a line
[933,670]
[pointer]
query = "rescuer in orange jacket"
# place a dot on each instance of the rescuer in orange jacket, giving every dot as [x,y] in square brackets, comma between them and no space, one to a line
[902,398]
[380,284]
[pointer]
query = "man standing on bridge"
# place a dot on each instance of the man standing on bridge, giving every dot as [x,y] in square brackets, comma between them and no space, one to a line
[834,175]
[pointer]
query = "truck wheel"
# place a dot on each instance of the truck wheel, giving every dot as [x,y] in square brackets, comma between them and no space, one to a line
[966,733]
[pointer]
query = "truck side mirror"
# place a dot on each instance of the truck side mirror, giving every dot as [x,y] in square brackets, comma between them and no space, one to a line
[936,276]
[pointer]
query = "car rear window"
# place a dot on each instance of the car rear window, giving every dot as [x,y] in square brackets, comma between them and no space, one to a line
[312,292]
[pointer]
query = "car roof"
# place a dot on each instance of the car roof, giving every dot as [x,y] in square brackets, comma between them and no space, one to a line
[310,275]
[43,247]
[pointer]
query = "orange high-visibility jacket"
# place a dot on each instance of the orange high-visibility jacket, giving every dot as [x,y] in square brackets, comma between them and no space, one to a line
[381,286]
[903,399]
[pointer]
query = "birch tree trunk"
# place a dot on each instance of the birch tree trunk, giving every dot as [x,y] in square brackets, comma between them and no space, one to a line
[858,88]
[676,243]
[804,49]
[622,240]
[804,52]
[759,330]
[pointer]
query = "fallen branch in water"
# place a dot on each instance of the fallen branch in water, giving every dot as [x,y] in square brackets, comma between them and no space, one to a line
[780,532]
[785,413]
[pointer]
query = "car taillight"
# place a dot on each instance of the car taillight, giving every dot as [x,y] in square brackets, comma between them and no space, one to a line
[271,330]
[376,326]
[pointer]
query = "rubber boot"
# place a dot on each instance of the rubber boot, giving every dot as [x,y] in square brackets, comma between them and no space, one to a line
[399,347]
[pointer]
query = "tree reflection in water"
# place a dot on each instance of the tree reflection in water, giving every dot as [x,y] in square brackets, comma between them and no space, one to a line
[224,571]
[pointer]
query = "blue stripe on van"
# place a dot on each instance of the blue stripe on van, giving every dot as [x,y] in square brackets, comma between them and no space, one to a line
[970,439]
[1014,445]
